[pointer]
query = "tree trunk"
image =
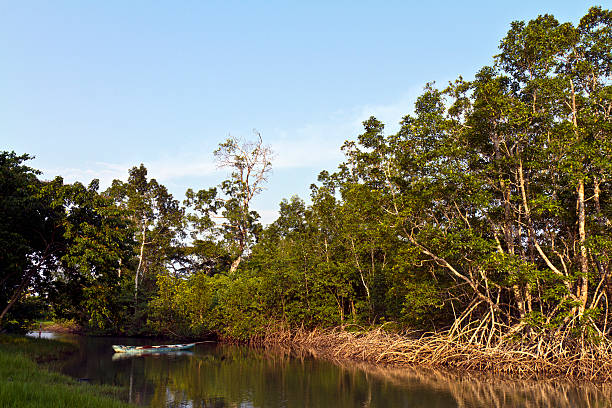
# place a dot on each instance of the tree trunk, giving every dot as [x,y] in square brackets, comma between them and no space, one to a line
[360,272]
[584,266]
[142,245]
[25,282]
[235,264]
[18,292]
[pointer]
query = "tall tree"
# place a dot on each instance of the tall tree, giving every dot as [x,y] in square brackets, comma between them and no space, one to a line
[490,181]
[62,242]
[87,282]
[250,163]
[206,251]
[157,222]
[30,230]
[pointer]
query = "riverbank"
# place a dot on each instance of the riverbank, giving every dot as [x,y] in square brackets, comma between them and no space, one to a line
[67,327]
[509,358]
[26,379]
[502,356]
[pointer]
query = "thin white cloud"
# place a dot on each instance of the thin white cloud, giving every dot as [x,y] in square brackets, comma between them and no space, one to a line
[315,145]
[308,147]
[267,217]
[312,147]
[318,145]
[163,170]
[172,169]
[105,172]
[390,114]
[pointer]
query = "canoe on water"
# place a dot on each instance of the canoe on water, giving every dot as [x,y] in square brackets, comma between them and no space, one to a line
[155,349]
[140,354]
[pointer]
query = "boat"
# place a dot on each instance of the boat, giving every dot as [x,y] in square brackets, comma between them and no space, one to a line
[139,354]
[154,349]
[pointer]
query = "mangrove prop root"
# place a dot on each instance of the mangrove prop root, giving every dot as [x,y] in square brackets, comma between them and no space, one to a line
[552,357]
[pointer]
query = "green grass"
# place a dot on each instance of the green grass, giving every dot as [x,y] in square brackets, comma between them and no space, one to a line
[26,381]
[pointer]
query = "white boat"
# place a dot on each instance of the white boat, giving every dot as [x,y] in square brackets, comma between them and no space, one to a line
[155,349]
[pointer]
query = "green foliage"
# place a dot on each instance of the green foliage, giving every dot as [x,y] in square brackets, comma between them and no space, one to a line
[22,317]
[422,303]
[203,304]
[29,236]
[182,307]
[492,206]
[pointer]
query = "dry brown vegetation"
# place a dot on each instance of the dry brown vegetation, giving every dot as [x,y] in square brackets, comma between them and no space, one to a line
[507,356]
[59,327]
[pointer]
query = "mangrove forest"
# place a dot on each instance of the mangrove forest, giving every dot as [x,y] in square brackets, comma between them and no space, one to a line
[478,236]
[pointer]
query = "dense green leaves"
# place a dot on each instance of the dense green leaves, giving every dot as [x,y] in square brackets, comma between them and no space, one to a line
[30,234]
[491,205]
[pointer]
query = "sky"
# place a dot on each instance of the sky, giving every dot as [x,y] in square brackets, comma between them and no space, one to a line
[92,89]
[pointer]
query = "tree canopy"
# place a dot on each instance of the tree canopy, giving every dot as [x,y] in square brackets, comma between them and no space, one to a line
[489,211]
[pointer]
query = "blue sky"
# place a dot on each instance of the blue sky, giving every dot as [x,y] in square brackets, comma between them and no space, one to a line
[94,88]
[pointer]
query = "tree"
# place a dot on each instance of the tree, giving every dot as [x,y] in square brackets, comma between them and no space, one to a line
[206,252]
[498,184]
[157,222]
[30,230]
[59,242]
[250,162]
[86,284]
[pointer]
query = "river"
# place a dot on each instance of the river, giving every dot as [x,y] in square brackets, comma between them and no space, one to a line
[217,375]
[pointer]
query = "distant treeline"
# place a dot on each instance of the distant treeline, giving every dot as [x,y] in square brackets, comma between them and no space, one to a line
[489,213]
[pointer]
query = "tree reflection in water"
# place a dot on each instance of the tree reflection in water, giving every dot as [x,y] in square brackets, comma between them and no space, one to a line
[229,376]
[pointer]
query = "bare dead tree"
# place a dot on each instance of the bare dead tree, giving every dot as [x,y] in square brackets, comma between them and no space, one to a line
[251,164]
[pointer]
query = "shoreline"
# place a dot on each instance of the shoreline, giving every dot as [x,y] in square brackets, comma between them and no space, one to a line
[509,360]
[55,327]
[461,385]
[28,377]
[440,351]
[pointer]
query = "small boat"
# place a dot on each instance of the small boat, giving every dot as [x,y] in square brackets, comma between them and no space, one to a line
[139,354]
[154,349]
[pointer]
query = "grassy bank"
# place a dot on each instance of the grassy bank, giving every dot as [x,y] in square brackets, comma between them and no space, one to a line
[26,379]
[516,358]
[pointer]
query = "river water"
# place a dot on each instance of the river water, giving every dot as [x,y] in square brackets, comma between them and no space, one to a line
[215,375]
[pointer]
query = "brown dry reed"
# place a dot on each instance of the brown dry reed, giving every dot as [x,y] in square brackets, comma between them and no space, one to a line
[512,356]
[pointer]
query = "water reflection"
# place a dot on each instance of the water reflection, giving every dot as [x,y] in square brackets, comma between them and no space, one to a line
[136,354]
[228,376]
[41,334]
[470,390]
